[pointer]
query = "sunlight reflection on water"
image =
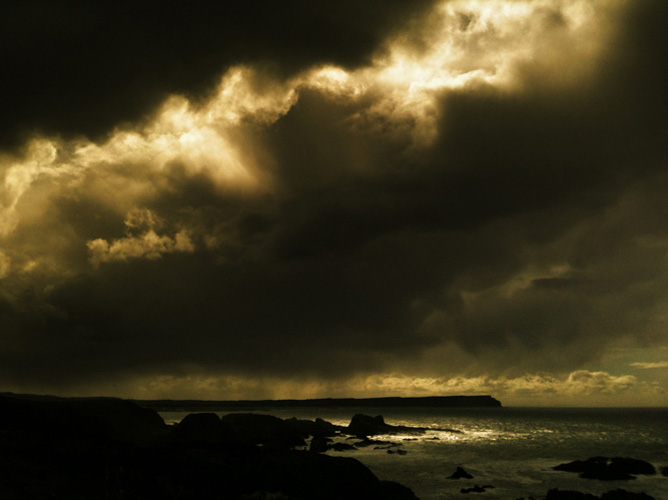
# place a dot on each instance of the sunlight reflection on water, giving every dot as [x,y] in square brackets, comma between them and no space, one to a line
[513,449]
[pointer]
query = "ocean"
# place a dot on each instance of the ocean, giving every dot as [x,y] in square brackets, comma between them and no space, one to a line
[512,449]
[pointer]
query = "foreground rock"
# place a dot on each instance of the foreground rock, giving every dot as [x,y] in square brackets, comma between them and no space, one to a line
[112,449]
[608,469]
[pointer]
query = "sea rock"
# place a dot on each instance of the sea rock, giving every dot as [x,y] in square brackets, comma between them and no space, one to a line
[319,427]
[605,469]
[364,426]
[557,494]
[476,489]
[664,471]
[377,442]
[460,473]
[202,428]
[398,452]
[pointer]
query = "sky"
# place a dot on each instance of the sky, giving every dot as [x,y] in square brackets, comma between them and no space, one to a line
[250,200]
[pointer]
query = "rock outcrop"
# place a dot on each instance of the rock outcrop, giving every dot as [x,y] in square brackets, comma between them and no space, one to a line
[266,430]
[101,449]
[460,473]
[363,426]
[608,469]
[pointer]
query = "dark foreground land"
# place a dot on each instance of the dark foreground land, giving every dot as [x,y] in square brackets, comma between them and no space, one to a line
[112,449]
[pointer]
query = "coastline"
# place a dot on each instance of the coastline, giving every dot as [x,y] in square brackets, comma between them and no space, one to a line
[107,448]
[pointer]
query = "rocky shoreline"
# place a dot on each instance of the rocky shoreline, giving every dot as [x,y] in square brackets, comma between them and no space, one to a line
[99,448]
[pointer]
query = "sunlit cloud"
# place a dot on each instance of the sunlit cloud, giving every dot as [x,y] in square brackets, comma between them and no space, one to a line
[579,388]
[146,243]
[5,263]
[468,42]
[649,366]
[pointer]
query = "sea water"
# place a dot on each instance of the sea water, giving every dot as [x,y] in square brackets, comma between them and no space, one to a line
[512,449]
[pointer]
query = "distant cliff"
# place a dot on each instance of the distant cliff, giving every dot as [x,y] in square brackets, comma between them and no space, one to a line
[393,402]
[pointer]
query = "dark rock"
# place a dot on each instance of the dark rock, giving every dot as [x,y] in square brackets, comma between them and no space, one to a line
[319,427]
[73,452]
[605,469]
[632,466]
[319,444]
[557,494]
[476,489]
[202,428]
[364,425]
[265,430]
[342,447]
[89,417]
[390,490]
[664,471]
[460,473]
[370,442]
[327,428]
[313,476]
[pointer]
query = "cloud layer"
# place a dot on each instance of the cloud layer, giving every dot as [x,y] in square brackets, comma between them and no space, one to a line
[466,191]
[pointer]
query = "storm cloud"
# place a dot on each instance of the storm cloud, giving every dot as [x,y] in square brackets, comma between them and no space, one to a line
[265,201]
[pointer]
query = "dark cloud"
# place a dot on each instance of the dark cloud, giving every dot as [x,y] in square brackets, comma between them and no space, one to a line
[83,68]
[531,229]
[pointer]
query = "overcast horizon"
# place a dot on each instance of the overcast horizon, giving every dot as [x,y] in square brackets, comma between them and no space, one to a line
[336,199]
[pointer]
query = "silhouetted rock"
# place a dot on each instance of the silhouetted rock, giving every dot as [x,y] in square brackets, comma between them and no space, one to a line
[319,444]
[606,469]
[319,427]
[476,489]
[202,428]
[265,430]
[364,425]
[390,490]
[67,449]
[313,476]
[664,471]
[460,473]
[557,494]
[370,442]
[83,417]
[342,447]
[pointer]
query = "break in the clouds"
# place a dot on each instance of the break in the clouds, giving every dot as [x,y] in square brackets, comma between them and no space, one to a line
[460,196]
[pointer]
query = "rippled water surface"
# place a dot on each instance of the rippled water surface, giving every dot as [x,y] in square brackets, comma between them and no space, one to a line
[513,449]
